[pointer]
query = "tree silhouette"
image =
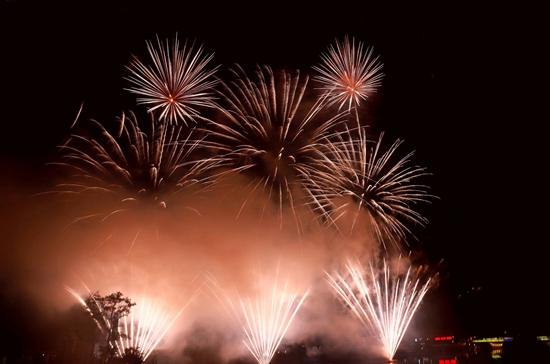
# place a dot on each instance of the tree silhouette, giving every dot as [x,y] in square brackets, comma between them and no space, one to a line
[133,356]
[107,311]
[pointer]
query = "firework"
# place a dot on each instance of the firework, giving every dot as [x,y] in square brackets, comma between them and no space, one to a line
[348,73]
[176,84]
[263,319]
[266,132]
[133,168]
[355,178]
[143,328]
[383,302]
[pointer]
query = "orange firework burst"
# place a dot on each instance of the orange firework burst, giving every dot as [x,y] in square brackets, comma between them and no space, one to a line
[266,132]
[356,178]
[176,85]
[131,167]
[348,73]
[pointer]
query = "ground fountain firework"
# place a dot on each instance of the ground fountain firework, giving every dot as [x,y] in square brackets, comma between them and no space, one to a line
[143,328]
[146,326]
[263,317]
[384,301]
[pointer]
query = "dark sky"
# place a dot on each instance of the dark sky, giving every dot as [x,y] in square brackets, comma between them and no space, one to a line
[462,87]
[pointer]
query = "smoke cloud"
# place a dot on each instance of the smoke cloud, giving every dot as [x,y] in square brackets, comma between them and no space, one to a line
[164,256]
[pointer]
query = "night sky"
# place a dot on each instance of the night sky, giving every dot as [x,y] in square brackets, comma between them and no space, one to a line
[462,87]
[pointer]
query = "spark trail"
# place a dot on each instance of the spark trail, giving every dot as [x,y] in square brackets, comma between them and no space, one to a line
[176,84]
[356,177]
[348,73]
[266,132]
[143,328]
[264,319]
[132,168]
[384,302]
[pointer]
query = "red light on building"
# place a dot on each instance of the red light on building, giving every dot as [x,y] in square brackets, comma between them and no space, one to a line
[448,361]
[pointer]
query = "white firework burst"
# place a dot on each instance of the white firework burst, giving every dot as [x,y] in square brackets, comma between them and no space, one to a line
[266,132]
[348,73]
[176,84]
[355,178]
[130,169]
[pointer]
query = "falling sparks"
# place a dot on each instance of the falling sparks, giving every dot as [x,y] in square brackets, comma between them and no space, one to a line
[367,180]
[131,168]
[267,133]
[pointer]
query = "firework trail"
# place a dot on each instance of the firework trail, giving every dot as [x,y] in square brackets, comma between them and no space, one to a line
[132,168]
[264,318]
[355,178]
[383,302]
[143,328]
[348,73]
[176,84]
[265,131]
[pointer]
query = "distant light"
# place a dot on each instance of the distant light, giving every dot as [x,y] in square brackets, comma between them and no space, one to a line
[447,361]
[494,340]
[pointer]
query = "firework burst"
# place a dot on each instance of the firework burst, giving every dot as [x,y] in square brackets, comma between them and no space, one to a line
[132,168]
[176,84]
[265,131]
[348,73]
[383,302]
[354,178]
[263,317]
